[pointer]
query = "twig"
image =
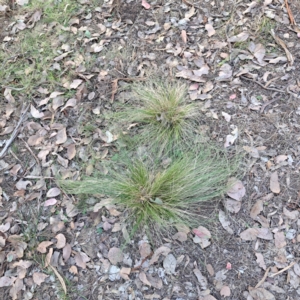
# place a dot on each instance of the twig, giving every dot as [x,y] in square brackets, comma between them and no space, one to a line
[266,104]
[135,269]
[290,13]
[283,270]
[263,279]
[29,149]
[260,84]
[15,132]
[281,43]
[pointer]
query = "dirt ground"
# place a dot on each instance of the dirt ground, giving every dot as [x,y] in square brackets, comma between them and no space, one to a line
[240,61]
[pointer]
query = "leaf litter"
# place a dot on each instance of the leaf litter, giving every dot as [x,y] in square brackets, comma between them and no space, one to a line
[262,208]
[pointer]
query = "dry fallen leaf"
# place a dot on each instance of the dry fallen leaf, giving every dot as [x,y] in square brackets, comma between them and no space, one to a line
[210,269]
[249,234]
[260,260]
[115,255]
[256,209]
[145,4]
[79,260]
[230,138]
[241,37]
[292,215]
[169,264]
[202,236]
[73,270]
[210,30]
[61,136]
[201,279]
[143,278]
[71,151]
[75,83]
[225,222]
[53,192]
[35,113]
[144,249]
[261,294]
[180,236]
[163,250]
[42,247]
[279,239]
[274,183]
[125,272]
[67,252]
[232,206]
[264,233]
[39,278]
[225,291]
[61,241]
[237,190]
[280,158]
[50,202]
[184,36]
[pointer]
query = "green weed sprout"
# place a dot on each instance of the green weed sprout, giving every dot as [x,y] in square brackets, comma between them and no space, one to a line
[152,194]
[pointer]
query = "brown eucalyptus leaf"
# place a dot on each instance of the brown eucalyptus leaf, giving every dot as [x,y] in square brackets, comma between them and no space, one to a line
[61,241]
[232,205]
[115,255]
[163,250]
[225,291]
[35,113]
[237,190]
[143,278]
[53,192]
[249,234]
[260,260]
[210,30]
[79,260]
[279,239]
[61,136]
[144,249]
[67,252]
[39,278]
[42,247]
[261,294]
[256,209]
[274,183]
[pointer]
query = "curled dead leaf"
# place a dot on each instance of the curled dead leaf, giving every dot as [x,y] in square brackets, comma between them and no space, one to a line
[61,241]
[42,247]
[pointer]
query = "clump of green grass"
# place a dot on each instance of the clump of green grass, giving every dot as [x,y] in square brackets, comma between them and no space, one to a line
[154,194]
[162,111]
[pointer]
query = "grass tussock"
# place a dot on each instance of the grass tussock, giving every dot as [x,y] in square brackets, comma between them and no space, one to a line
[153,194]
[161,110]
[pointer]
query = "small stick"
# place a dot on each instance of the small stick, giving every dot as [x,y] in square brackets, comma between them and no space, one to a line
[283,270]
[266,104]
[290,13]
[263,279]
[266,88]
[15,132]
[29,149]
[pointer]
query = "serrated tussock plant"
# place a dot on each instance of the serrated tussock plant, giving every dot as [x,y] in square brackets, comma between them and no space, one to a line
[153,194]
[163,114]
